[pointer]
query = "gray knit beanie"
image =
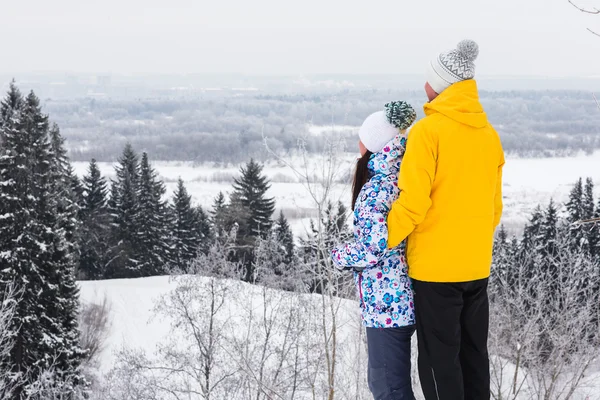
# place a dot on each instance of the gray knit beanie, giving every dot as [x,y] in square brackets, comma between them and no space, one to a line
[453,66]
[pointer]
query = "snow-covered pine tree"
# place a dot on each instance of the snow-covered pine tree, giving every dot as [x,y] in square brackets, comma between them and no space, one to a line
[284,235]
[95,227]
[204,229]
[588,199]
[56,212]
[592,230]
[35,254]
[237,217]
[500,263]
[576,210]
[217,215]
[575,205]
[251,190]
[249,201]
[153,223]
[16,239]
[68,193]
[186,232]
[549,231]
[532,231]
[123,207]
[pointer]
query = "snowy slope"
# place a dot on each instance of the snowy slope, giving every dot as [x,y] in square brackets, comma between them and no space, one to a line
[133,325]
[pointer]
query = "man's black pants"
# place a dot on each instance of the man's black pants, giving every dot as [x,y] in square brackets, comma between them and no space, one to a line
[452,331]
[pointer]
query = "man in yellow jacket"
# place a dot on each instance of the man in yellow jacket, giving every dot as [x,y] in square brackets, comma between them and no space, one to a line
[449,206]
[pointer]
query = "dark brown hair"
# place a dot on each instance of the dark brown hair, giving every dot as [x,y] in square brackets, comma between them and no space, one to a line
[361,176]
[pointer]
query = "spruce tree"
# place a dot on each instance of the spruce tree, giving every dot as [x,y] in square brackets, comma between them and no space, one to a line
[152,223]
[251,211]
[217,215]
[501,267]
[251,190]
[575,205]
[285,238]
[592,229]
[124,209]
[588,199]
[549,231]
[68,193]
[186,232]
[34,252]
[576,210]
[95,224]
[237,217]
[204,229]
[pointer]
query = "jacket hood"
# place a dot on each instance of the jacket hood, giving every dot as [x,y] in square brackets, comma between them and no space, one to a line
[460,102]
[387,161]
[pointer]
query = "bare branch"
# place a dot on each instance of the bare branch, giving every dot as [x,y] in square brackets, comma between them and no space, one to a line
[593,32]
[585,10]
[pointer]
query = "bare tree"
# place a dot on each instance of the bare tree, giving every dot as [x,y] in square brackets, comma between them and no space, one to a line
[94,324]
[544,334]
[319,176]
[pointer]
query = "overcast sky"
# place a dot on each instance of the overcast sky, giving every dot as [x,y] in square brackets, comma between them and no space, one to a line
[516,37]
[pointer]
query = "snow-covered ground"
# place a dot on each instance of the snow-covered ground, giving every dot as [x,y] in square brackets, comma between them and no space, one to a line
[527,182]
[133,324]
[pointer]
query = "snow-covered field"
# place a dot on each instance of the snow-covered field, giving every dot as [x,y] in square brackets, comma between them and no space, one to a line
[527,182]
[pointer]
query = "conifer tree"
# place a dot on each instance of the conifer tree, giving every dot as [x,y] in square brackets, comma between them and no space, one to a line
[588,199]
[34,251]
[217,215]
[95,227]
[576,209]
[285,237]
[575,205]
[251,191]
[152,223]
[68,193]
[186,230]
[501,265]
[124,211]
[251,211]
[592,230]
[237,219]
[204,229]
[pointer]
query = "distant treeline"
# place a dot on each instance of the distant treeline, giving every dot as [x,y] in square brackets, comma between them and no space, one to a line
[231,128]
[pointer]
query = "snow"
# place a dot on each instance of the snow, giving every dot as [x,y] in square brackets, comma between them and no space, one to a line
[131,302]
[527,183]
[133,325]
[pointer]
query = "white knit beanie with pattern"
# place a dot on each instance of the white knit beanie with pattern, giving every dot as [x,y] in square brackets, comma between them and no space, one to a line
[382,126]
[453,66]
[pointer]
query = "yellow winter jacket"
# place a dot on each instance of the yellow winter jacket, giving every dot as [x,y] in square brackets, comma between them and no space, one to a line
[451,190]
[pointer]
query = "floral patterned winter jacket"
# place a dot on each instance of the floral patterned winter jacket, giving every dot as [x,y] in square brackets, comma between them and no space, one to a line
[383,285]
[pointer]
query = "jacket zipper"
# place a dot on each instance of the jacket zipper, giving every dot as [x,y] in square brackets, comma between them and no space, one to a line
[360,289]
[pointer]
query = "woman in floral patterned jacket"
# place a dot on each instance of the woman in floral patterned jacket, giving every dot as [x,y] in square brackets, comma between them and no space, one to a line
[380,274]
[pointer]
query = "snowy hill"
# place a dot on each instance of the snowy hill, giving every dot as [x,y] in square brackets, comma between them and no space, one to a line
[258,330]
[285,335]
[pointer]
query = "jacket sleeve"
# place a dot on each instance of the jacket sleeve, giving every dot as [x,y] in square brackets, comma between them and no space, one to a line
[416,178]
[498,196]
[370,239]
